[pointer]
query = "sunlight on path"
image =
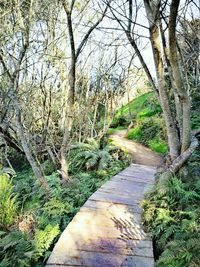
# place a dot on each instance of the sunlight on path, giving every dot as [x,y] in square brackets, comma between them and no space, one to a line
[140,154]
[107,231]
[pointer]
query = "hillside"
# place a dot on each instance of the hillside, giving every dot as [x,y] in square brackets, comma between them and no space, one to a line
[142,117]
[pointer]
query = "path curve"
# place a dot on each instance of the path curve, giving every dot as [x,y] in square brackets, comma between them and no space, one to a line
[108,230]
[140,154]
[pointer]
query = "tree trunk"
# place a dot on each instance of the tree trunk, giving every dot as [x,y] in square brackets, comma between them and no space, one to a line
[22,136]
[177,79]
[173,140]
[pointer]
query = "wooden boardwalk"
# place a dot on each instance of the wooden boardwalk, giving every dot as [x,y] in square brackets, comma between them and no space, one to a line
[107,231]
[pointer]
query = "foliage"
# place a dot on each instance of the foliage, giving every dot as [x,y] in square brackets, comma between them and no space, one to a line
[158,145]
[146,105]
[148,125]
[20,249]
[40,219]
[150,132]
[135,134]
[16,249]
[8,203]
[91,156]
[113,130]
[171,214]
[119,121]
[43,239]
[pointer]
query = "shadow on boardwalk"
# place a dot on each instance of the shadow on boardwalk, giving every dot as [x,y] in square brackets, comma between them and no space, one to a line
[107,231]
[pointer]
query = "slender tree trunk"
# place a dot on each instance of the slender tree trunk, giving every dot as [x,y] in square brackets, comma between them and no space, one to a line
[22,136]
[173,140]
[177,79]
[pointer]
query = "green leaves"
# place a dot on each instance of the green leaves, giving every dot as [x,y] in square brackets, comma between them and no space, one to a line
[44,238]
[89,156]
[8,203]
[171,214]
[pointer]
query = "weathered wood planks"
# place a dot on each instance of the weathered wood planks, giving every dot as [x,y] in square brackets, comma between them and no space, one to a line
[108,231]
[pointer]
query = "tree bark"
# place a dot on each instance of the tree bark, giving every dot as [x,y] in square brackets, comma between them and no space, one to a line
[177,79]
[172,134]
[22,136]
[72,80]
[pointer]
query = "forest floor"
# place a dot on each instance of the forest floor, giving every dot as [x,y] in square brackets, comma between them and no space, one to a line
[139,153]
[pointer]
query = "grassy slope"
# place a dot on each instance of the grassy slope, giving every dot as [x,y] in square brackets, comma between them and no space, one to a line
[148,126]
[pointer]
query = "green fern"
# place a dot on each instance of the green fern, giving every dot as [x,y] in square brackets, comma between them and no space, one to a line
[8,203]
[90,155]
[44,238]
[171,214]
[15,250]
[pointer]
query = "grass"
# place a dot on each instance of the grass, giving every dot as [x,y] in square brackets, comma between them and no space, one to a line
[148,125]
[114,130]
[158,145]
[136,105]
[135,134]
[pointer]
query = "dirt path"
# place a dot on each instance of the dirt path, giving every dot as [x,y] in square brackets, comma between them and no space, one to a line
[140,154]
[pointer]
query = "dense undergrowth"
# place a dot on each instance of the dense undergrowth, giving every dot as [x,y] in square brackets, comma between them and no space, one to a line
[172,216]
[172,212]
[31,221]
[144,114]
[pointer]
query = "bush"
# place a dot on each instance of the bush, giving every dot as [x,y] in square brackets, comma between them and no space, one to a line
[113,130]
[16,249]
[8,204]
[91,156]
[120,120]
[135,134]
[157,145]
[171,214]
[150,132]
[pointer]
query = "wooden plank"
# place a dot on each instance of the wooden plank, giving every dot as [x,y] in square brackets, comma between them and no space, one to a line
[116,199]
[108,231]
[98,259]
[144,175]
[132,179]
[98,204]
[125,192]
[128,186]
[110,218]
[122,231]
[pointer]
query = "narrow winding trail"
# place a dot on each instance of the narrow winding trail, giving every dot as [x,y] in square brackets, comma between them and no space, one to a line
[140,154]
[108,231]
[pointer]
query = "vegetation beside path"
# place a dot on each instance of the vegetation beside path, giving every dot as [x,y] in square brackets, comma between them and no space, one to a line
[30,221]
[143,119]
[171,209]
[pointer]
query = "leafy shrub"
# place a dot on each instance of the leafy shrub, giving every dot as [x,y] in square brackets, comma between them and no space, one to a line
[150,132]
[16,249]
[43,239]
[120,120]
[195,118]
[113,130]
[8,204]
[48,167]
[90,156]
[157,145]
[171,214]
[135,134]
